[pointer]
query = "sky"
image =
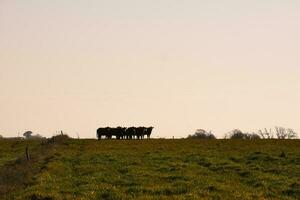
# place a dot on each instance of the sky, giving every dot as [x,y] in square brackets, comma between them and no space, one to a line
[172,64]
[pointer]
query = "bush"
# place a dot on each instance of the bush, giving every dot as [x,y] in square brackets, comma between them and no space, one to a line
[238,134]
[58,139]
[202,134]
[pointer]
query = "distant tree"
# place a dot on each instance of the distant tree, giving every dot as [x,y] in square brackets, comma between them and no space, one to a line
[280,133]
[266,134]
[1,136]
[27,134]
[283,133]
[238,134]
[254,136]
[37,136]
[202,134]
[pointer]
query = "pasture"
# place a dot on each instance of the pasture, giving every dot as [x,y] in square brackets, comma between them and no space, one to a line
[150,169]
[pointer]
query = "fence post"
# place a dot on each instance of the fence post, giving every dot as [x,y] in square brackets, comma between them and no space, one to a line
[27,153]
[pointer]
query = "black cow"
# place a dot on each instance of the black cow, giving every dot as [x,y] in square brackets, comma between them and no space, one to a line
[119,132]
[140,132]
[130,132]
[124,133]
[148,131]
[104,132]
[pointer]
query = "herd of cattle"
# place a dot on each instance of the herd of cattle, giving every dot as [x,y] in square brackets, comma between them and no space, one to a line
[124,133]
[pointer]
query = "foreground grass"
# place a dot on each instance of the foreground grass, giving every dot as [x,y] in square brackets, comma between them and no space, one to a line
[152,169]
[11,149]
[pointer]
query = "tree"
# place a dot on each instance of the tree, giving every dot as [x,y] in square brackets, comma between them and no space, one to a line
[283,133]
[266,134]
[202,134]
[27,134]
[254,136]
[280,133]
[238,134]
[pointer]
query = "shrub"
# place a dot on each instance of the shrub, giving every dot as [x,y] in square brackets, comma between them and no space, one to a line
[202,134]
[58,139]
[238,134]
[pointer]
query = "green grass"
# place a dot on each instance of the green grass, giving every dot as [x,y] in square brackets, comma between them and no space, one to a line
[151,169]
[11,149]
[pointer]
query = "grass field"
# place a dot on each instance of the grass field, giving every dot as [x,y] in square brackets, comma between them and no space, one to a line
[150,169]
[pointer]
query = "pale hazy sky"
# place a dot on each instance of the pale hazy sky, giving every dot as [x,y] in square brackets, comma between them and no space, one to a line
[76,65]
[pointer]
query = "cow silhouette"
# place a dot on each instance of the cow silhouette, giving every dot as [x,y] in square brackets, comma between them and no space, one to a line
[148,131]
[124,133]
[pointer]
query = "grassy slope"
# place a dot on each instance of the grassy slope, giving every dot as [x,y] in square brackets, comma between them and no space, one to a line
[11,149]
[155,169]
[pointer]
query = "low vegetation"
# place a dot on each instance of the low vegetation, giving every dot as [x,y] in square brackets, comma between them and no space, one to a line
[202,134]
[278,133]
[238,134]
[64,168]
